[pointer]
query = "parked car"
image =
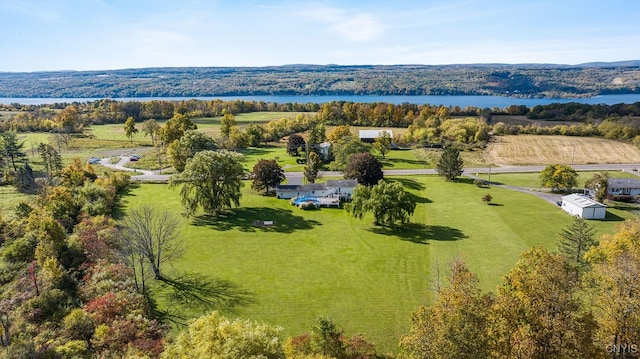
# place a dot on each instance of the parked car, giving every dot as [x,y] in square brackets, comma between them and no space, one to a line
[134,158]
[93,160]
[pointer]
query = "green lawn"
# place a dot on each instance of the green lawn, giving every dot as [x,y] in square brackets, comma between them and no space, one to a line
[532,180]
[369,280]
[9,199]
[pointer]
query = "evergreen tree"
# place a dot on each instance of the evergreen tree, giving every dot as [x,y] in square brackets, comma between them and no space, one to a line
[12,149]
[51,159]
[575,241]
[450,164]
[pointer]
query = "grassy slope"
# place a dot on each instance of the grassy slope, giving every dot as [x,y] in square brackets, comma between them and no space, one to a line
[370,280]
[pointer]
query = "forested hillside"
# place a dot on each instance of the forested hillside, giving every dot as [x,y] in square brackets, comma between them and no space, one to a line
[525,80]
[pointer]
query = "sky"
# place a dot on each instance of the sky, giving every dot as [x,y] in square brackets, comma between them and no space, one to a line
[49,35]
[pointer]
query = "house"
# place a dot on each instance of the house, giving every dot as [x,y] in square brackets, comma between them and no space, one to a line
[623,187]
[324,150]
[583,207]
[342,189]
[369,136]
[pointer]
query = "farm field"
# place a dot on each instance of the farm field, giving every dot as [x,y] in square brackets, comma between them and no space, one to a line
[370,280]
[544,150]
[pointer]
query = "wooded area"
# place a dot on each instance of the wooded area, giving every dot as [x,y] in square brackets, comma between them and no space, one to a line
[523,80]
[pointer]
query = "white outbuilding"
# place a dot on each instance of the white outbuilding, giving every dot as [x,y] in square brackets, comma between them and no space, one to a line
[583,207]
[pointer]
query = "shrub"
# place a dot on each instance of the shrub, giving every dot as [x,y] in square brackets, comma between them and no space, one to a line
[487,198]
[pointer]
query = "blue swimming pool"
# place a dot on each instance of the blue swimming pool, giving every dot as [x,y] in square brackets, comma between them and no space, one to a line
[306,199]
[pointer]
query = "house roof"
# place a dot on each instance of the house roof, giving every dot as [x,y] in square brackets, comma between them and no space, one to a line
[342,183]
[301,188]
[623,183]
[582,201]
[373,133]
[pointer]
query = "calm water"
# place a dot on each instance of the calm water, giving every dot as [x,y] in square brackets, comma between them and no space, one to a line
[462,101]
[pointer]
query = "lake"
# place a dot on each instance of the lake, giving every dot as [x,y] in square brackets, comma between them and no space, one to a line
[462,101]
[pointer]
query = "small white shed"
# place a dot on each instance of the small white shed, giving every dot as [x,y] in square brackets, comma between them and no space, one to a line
[583,207]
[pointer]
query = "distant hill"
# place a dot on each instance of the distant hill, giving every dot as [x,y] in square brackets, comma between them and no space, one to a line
[524,80]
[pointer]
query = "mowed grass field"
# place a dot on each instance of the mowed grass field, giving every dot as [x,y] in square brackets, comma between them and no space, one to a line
[545,150]
[532,179]
[369,279]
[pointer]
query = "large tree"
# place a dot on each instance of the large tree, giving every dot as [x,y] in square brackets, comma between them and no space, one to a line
[130,128]
[598,185]
[344,149]
[68,120]
[558,176]
[613,284]
[537,312]
[382,143]
[456,325]
[151,128]
[365,168]
[12,149]
[211,180]
[191,142]
[387,201]
[575,240]
[267,174]
[339,132]
[317,135]
[294,142]
[450,164]
[313,167]
[151,238]
[227,124]
[175,127]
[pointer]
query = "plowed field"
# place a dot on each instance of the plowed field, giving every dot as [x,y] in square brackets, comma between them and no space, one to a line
[544,150]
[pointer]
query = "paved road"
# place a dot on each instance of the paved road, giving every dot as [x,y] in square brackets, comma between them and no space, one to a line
[297,177]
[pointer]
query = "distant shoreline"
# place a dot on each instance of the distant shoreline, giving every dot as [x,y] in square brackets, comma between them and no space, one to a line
[451,100]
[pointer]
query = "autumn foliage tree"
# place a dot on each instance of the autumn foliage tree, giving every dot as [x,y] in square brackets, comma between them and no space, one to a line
[214,336]
[266,174]
[537,312]
[365,168]
[558,176]
[294,142]
[613,284]
[456,325]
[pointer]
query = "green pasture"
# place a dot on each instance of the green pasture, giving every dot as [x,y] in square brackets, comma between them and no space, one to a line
[369,279]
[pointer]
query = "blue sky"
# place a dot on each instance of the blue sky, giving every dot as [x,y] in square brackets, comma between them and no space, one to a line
[43,35]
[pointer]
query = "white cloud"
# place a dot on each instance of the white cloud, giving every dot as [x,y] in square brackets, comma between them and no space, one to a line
[353,26]
[362,27]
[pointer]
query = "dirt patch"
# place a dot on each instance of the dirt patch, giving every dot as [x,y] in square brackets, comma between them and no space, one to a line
[544,150]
